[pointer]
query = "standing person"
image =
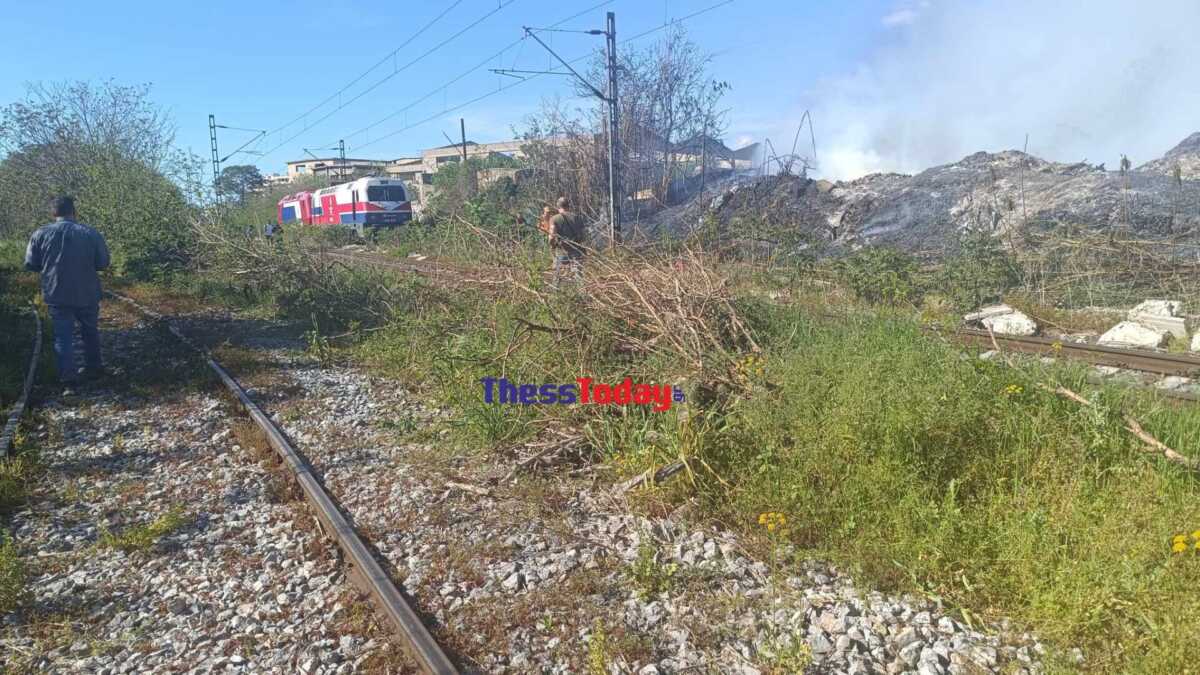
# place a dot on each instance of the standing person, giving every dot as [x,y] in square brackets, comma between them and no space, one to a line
[68,255]
[567,236]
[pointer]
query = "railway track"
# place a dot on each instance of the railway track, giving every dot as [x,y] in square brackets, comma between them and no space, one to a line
[365,570]
[1131,359]
[18,409]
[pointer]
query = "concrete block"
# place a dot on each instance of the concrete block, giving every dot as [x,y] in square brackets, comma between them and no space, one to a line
[1133,334]
[1013,323]
[1175,325]
[989,311]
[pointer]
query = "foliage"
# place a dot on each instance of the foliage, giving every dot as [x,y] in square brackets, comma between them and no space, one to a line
[239,180]
[457,187]
[650,575]
[921,469]
[16,475]
[880,275]
[141,538]
[979,271]
[598,650]
[12,574]
[109,147]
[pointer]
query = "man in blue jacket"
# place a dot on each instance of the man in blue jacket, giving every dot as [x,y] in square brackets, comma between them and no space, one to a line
[68,255]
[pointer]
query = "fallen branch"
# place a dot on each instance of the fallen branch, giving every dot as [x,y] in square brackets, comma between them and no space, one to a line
[645,477]
[1132,426]
[467,487]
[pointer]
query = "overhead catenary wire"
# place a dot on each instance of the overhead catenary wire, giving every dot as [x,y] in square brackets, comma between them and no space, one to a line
[356,80]
[363,74]
[521,81]
[396,71]
[442,87]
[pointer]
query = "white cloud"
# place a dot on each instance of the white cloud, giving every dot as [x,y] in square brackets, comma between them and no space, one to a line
[1084,79]
[900,17]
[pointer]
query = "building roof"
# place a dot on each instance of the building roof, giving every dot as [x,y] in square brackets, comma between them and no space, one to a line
[696,145]
[453,145]
[746,151]
[336,159]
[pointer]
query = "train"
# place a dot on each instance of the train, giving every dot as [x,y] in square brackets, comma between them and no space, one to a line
[359,204]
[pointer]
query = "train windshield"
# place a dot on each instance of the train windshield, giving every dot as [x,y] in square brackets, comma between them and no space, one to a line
[385,193]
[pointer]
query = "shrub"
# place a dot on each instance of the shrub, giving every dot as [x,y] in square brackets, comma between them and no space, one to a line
[979,271]
[880,275]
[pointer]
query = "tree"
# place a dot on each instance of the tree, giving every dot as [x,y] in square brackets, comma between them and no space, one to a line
[238,179]
[110,147]
[668,108]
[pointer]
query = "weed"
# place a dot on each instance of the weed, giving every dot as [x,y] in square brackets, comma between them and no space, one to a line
[648,574]
[881,275]
[16,475]
[141,538]
[318,345]
[787,654]
[12,574]
[599,652]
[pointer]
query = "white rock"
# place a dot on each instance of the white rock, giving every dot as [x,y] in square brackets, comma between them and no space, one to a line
[1173,382]
[1133,334]
[1196,342]
[1013,323]
[1157,308]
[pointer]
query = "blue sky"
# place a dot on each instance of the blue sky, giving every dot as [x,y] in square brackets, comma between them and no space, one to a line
[260,64]
[894,85]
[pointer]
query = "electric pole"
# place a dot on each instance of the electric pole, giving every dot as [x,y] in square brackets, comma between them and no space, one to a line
[216,157]
[462,127]
[342,159]
[614,127]
[610,97]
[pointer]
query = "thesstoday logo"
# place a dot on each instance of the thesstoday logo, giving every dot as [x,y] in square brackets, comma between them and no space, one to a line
[583,390]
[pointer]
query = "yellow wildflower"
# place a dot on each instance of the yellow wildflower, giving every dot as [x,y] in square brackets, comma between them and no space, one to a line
[1013,390]
[1196,534]
[1179,547]
[1179,539]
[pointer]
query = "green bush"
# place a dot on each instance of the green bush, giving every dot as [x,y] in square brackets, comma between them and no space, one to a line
[979,271]
[880,275]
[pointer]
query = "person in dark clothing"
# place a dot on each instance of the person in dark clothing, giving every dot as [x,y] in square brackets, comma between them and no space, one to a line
[68,255]
[568,234]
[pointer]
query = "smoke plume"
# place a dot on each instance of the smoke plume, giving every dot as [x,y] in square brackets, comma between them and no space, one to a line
[1084,79]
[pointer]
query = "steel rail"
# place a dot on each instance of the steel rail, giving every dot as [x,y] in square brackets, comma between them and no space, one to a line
[1132,359]
[18,409]
[370,575]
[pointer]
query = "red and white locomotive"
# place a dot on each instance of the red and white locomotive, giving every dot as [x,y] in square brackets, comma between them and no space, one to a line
[366,202]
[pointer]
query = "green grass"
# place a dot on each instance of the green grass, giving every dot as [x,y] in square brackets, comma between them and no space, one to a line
[901,458]
[891,454]
[141,538]
[16,474]
[12,574]
[919,469]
